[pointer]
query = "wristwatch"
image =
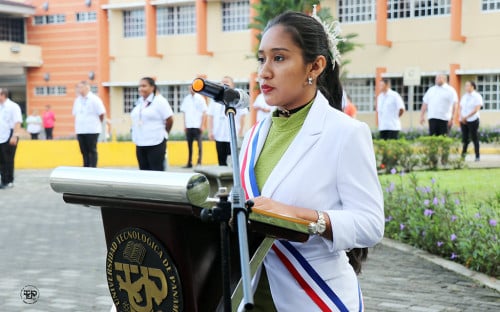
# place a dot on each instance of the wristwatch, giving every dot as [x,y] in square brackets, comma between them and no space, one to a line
[318,227]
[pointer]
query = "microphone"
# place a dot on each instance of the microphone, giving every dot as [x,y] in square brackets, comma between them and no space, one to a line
[235,98]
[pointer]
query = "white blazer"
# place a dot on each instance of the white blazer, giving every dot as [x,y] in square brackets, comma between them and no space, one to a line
[329,166]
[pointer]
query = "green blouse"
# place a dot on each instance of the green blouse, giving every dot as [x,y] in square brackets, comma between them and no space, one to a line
[281,134]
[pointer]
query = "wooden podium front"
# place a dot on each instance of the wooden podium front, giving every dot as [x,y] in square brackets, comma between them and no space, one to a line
[161,255]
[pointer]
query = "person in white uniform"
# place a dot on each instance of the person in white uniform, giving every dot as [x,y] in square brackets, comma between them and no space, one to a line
[313,162]
[89,112]
[218,125]
[10,126]
[439,102]
[390,108]
[470,105]
[152,120]
[194,108]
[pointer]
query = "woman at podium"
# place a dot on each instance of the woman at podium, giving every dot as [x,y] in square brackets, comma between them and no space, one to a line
[310,161]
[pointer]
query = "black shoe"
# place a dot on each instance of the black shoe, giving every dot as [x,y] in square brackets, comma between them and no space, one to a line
[188,166]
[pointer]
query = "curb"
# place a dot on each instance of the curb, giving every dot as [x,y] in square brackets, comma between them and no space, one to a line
[481,278]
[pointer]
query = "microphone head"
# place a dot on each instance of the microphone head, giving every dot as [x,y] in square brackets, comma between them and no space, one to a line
[236,98]
[208,88]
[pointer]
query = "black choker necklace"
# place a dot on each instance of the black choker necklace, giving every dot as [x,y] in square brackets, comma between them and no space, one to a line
[287,113]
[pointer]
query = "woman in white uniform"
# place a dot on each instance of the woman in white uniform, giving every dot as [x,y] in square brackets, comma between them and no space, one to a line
[470,105]
[152,119]
[310,161]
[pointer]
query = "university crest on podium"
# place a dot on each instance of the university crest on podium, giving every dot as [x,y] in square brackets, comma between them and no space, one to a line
[141,275]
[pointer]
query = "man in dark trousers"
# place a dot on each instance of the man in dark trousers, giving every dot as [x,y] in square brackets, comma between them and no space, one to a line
[10,125]
[89,112]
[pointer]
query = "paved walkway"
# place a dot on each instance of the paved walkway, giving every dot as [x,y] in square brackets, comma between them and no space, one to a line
[60,249]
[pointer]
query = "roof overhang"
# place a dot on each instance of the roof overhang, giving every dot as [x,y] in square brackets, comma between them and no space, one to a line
[16,9]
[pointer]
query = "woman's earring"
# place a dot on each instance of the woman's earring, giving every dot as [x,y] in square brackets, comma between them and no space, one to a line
[309,81]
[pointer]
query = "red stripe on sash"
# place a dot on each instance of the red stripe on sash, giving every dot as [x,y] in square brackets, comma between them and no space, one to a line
[309,291]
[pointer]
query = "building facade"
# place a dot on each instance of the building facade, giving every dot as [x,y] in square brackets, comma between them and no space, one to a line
[113,43]
[460,38]
[16,54]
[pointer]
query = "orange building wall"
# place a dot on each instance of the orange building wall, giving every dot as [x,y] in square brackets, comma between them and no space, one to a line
[69,52]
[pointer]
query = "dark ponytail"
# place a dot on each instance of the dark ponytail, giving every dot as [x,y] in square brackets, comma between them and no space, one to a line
[309,35]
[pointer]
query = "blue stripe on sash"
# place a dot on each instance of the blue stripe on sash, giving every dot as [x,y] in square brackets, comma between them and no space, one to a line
[251,164]
[315,276]
[360,300]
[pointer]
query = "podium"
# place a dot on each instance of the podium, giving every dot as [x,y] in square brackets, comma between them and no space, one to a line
[161,255]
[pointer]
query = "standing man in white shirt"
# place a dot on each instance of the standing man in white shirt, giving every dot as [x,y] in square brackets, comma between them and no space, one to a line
[194,108]
[470,105]
[89,112]
[439,102]
[390,108]
[218,125]
[10,125]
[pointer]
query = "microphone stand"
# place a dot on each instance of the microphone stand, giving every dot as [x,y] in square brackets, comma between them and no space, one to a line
[240,213]
[238,210]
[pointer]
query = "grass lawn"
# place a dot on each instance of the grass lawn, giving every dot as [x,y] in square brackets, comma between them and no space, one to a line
[476,184]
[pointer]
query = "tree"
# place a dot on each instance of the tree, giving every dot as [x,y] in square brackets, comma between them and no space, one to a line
[267,9]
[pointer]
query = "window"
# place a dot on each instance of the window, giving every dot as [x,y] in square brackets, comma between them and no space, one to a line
[52,90]
[134,23]
[417,8]
[82,17]
[176,20]
[235,15]
[490,5]
[174,95]
[489,87]
[49,19]
[12,29]
[352,11]
[362,93]
[130,96]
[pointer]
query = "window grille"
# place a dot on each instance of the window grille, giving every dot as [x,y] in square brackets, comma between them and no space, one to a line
[49,19]
[353,11]
[86,17]
[176,20]
[489,87]
[134,24]
[235,15]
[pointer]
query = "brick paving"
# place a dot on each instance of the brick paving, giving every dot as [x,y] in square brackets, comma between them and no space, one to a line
[60,249]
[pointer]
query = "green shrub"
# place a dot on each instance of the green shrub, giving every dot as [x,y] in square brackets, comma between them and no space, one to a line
[449,225]
[437,149]
[398,154]
[427,152]
[487,134]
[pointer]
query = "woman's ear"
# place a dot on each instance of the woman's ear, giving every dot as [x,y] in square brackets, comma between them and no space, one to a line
[317,66]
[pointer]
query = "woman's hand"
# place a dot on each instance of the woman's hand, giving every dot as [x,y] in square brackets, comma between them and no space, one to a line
[268,204]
